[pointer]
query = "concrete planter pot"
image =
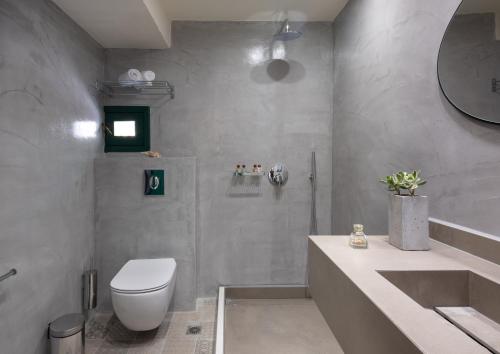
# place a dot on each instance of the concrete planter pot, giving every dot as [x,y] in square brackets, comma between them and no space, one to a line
[408,222]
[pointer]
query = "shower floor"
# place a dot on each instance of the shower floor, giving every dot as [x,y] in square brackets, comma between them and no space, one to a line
[278,326]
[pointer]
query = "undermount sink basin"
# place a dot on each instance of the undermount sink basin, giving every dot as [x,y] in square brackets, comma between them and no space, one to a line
[443,288]
[466,299]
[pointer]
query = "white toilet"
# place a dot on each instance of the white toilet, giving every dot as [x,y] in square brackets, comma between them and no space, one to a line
[141,292]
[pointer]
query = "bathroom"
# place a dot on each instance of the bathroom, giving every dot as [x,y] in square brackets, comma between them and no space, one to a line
[329,96]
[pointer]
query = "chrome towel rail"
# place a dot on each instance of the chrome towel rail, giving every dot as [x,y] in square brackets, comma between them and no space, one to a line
[8,274]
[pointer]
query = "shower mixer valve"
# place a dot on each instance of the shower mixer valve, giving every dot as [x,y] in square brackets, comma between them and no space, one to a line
[278,175]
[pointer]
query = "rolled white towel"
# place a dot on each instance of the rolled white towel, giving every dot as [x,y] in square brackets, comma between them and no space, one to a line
[130,76]
[148,75]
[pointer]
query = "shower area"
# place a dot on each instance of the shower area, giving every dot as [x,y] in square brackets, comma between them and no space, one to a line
[278,316]
[246,93]
[273,318]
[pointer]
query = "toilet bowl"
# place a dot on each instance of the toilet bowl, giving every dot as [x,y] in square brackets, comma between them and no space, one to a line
[141,292]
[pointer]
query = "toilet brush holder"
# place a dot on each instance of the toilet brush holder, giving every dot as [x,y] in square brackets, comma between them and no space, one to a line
[90,289]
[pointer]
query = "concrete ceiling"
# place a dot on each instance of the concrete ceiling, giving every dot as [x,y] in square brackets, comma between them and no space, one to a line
[145,24]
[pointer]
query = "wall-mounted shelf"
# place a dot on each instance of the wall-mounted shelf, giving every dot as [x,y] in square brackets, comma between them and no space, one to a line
[248,184]
[245,184]
[249,174]
[136,88]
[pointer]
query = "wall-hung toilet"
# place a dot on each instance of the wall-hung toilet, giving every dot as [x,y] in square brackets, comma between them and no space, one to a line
[141,292]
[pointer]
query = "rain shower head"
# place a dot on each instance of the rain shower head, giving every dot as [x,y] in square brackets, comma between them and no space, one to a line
[286,33]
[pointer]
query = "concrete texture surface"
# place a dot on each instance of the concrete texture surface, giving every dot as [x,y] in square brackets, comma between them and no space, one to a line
[480,327]
[280,326]
[408,222]
[240,99]
[130,225]
[234,105]
[469,240]
[432,288]
[390,114]
[354,297]
[49,116]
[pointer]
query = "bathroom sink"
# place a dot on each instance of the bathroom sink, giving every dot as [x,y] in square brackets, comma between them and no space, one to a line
[442,288]
[466,299]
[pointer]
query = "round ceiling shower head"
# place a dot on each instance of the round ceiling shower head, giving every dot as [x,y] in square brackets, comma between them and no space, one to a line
[286,33]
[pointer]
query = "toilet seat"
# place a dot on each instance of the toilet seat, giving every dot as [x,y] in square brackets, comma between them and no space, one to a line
[145,291]
[140,276]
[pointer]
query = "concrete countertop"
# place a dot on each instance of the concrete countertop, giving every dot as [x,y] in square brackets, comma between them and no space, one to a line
[426,329]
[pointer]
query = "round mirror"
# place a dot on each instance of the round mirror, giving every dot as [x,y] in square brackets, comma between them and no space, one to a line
[469,60]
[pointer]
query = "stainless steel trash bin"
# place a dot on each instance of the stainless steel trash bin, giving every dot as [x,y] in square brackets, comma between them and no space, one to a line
[67,334]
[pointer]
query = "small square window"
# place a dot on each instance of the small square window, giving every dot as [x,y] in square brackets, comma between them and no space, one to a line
[126,128]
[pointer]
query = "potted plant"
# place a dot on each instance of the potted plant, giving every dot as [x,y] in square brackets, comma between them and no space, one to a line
[408,212]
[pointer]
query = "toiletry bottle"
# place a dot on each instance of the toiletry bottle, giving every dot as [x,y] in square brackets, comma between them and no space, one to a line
[254,170]
[237,172]
[243,169]
[358,238]
[259,168]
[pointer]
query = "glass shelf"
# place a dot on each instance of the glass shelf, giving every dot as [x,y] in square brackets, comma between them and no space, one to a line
[246,184]
[251,174]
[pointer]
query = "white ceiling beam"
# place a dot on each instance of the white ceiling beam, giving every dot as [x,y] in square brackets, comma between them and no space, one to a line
[140,24]
[159,16]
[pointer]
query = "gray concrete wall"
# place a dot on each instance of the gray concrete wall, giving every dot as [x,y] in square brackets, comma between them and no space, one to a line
[233,106]
[131,225]
[47,113]
[390,114]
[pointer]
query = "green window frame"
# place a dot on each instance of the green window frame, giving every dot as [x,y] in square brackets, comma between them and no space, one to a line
[139,115]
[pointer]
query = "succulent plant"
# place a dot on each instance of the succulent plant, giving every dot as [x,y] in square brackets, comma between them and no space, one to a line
[402,180]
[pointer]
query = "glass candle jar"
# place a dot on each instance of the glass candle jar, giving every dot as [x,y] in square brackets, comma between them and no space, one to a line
[358,238]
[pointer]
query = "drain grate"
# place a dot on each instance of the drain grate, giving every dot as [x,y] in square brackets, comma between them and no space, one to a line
[193,329]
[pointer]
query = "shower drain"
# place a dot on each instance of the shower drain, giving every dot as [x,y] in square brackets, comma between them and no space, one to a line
[193,329]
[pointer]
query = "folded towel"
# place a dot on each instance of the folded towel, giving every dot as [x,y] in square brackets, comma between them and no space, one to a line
[148,75]
[130,76]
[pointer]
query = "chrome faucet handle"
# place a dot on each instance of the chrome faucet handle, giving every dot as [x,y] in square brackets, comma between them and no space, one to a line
[278,175]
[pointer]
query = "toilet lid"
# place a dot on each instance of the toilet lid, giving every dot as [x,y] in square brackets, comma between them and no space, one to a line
[140,275]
